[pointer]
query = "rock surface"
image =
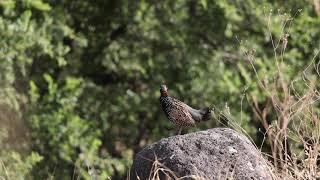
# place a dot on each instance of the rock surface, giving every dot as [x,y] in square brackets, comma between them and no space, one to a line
[218,153]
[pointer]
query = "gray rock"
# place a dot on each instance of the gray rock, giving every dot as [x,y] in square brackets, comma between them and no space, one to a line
[218,153]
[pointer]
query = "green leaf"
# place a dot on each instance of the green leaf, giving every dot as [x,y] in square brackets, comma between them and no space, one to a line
[33,92]
[38,4]
[25,19]
[204,4]
[9,4]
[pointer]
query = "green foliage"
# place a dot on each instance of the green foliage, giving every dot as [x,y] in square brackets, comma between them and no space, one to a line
[55,125]
[15,165]
[83,76]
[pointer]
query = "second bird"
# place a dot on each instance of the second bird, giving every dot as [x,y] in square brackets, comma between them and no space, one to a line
[179,113]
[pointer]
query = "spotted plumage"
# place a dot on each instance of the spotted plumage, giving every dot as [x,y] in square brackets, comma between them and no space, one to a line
[179,113]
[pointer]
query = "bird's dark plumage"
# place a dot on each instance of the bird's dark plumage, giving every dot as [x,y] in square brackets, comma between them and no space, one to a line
[179,113]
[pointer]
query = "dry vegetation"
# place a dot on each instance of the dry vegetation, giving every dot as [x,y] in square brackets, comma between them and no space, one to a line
[294,134]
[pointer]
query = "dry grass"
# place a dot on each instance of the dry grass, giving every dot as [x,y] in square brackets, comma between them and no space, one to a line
[294,132]
[290,114]
[159,171]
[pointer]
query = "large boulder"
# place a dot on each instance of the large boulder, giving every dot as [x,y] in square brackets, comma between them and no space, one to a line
[218,153]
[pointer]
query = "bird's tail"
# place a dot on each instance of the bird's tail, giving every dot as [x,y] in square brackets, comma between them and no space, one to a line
[206,113]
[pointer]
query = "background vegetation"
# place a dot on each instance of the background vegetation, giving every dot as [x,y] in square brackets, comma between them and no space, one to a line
[79,80]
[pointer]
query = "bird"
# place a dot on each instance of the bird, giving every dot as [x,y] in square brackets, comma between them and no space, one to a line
[179,113]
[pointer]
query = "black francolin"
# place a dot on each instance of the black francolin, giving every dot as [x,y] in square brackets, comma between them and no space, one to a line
[179,113]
